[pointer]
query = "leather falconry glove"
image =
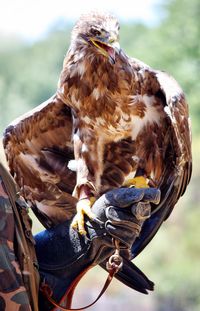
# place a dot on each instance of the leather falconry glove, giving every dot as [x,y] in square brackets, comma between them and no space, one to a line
[64,256]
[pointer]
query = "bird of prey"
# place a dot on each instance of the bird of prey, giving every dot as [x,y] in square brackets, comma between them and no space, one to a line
[113,122]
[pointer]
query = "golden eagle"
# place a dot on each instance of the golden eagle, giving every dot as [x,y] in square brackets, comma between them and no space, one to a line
[113,122]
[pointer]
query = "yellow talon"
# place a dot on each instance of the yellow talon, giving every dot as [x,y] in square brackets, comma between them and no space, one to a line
[83,207]
[137,182]
[92,200]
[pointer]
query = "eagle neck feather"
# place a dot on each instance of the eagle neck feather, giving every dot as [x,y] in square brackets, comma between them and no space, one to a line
[90,84]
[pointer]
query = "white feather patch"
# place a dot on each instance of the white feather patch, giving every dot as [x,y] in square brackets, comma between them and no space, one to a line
[72,165]
[86,119]
[76,137]
[171,87]
[151,115]
[81,68]
[96,93]
[84,148]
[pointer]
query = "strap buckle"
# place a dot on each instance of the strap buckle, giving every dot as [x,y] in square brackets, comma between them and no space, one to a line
[115,261]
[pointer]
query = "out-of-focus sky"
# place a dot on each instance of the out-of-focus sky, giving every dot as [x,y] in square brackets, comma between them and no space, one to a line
[32,18]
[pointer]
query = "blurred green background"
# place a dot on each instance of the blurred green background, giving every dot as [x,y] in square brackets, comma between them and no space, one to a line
[28,76]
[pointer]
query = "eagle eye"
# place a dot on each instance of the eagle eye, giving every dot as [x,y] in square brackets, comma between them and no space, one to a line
[95,32]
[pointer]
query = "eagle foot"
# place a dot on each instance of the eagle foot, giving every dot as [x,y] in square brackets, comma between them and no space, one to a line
[83,207]
[137,182]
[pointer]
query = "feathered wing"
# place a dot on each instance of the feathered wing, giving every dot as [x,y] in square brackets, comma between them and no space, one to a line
[38,147]
[177,157]
[163,150]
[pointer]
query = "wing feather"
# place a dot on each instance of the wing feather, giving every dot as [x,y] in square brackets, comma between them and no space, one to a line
[173,164]
[38,147]
[177,110]
[177,159]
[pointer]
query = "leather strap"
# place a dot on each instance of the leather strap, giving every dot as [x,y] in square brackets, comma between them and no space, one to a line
[114,264]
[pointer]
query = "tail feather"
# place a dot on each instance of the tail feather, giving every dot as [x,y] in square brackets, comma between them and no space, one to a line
[133,277]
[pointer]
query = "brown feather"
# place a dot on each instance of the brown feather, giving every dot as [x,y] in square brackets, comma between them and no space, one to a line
[124,119]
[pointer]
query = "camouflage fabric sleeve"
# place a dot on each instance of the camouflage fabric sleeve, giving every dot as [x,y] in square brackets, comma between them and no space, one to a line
[13,295]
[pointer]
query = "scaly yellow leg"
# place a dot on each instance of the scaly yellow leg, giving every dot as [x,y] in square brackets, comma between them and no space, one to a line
[137,182]
[83,207]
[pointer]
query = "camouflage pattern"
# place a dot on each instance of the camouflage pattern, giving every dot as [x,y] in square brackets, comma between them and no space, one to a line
[13,295]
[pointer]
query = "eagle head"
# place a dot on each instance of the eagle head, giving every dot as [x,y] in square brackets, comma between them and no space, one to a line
[100,31]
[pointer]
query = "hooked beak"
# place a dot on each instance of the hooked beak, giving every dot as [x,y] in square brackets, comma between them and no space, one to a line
[108,49]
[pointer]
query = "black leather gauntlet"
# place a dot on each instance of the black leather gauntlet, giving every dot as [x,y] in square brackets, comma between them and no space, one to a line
[123,212]
[63,254]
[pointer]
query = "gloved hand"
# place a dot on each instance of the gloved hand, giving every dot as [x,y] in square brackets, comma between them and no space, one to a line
[123,212]
[63,254]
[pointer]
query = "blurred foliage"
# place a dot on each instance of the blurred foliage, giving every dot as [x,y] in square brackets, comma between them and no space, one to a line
[28,76]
